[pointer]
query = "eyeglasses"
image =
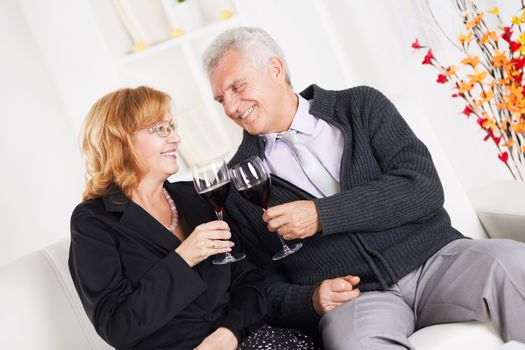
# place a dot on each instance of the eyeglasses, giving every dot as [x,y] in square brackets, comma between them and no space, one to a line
[164,128]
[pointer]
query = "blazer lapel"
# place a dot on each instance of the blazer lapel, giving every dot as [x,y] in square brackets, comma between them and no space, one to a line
[140,222]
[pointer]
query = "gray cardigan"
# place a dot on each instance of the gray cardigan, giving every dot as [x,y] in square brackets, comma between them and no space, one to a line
[387,220]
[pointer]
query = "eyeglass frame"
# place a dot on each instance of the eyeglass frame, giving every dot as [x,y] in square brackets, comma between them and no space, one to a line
[170,127]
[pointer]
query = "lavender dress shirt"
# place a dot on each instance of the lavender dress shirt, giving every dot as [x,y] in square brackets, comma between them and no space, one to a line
[322,139]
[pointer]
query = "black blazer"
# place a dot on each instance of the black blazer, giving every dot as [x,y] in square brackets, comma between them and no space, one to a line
[139,293]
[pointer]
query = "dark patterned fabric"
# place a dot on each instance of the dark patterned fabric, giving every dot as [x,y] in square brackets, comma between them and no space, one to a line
[271,338]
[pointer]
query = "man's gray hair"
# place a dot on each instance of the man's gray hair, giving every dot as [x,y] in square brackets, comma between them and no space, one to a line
[255,44]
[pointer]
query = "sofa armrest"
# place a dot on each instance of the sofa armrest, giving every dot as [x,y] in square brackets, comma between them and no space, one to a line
[40,307]
[501,209]
[457,336]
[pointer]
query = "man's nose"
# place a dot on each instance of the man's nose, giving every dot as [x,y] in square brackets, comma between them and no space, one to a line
[231,106]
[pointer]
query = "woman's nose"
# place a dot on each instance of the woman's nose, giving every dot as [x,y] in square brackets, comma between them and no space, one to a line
[174,136]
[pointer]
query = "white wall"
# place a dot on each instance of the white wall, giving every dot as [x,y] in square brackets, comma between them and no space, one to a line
[41,174]
[376,37]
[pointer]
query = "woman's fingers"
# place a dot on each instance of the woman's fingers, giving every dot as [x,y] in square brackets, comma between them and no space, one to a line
[220,244]
[214,225]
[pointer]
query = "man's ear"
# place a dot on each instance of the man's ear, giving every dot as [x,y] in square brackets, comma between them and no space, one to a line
[277,69]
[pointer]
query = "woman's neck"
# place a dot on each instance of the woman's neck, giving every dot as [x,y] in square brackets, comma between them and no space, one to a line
[148,192]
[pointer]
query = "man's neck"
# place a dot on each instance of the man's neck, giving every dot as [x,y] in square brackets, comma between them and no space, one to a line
[290,103]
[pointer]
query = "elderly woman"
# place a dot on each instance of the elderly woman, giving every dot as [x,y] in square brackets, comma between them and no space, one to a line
[140,245]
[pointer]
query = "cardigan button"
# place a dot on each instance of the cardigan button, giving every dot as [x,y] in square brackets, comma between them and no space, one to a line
[208,317]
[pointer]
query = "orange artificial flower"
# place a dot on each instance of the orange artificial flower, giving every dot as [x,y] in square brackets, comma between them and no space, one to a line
[465,39]
[499,59]
[450,71]
[487,37]
[472,61]
[486,96]
[474,22]
[477,77]
[464,86]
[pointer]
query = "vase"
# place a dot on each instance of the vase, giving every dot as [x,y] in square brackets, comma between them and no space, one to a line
[500,207]
[183,16]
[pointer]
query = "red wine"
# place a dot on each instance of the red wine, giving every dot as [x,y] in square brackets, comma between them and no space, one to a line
[216,195]
[258,194]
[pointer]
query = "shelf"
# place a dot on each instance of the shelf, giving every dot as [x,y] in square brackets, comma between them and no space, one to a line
[185,39]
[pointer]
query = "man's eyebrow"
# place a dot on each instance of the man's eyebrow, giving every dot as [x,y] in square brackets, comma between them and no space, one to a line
[229,87]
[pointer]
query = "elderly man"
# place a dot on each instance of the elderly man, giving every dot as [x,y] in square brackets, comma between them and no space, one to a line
[380,258]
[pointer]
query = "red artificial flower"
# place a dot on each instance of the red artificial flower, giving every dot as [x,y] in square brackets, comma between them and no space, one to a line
[518,63]
[514,46]
[504,157]
[442,79]
[428,57]
[482,121]
[416,45]
[507,34]
[490,135]
[467,111]
[518,77]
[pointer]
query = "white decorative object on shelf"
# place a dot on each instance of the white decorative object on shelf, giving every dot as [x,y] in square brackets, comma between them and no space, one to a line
[136,37]
[146,19]
[217,10]
[183,15]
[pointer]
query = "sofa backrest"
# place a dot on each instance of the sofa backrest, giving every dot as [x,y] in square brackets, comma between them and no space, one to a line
[40,308]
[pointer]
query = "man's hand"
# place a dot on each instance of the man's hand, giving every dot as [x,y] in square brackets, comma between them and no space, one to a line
[334,292]
[293,220]
[221,339]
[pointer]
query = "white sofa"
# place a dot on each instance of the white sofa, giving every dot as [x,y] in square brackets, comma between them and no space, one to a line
[40,309]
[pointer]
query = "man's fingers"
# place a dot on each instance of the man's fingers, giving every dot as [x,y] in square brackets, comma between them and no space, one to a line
[275,223]
[340,285]
[353,280]
[343,297]
[275,211]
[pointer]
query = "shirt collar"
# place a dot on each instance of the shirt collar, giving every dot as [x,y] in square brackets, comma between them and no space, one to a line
[303,122]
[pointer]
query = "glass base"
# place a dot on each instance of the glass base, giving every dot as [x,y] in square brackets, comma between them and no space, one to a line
[287,250]
[229,258]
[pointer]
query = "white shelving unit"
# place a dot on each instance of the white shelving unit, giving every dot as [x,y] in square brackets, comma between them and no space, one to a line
[174,65]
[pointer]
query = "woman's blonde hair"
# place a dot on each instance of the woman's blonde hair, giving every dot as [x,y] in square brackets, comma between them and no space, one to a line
[111,161]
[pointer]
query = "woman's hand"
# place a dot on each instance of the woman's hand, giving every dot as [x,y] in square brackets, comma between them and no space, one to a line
[207,239]
[221,339]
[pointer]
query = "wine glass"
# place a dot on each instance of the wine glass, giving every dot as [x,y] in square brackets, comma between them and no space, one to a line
[212,182]
[253,182]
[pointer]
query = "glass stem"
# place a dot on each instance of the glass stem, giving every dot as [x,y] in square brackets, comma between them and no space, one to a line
[283,243]
[219,216]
